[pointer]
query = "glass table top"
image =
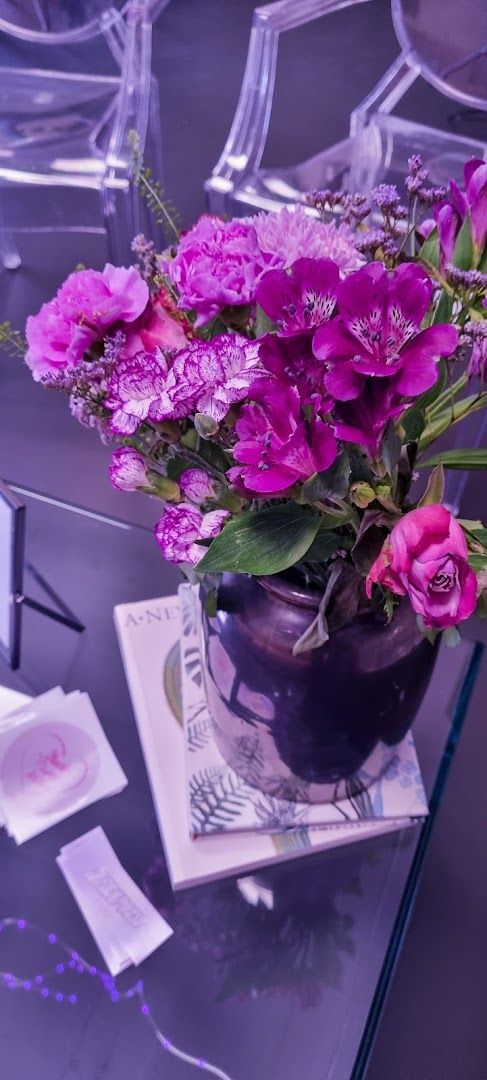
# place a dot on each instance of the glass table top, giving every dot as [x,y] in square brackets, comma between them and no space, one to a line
[239,991]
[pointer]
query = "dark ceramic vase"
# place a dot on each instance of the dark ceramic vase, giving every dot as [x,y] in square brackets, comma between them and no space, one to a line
[320,725]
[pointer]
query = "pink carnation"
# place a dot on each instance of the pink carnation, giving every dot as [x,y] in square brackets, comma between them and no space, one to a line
[181,526]
[426,557]
[206,377]
[287,235]
[85,308]
[127,469]
[196,485]
[217,263]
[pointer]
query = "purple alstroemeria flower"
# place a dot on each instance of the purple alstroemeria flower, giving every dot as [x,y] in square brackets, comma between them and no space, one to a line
[291,361]
[452,212]
[377,333]
[474,201]
[364,419]
[181,526]
[301,298]
[275,447]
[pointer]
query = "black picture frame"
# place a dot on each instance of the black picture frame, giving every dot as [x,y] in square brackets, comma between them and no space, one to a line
[12,553]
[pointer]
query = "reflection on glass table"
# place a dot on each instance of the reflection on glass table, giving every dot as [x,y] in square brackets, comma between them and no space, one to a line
[449,52]
[281,974]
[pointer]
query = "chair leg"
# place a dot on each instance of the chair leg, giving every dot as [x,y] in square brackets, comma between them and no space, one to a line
[9,254]
[118,215]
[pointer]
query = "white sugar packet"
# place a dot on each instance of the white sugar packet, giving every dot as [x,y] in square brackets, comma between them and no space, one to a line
[125,925]
[55,759]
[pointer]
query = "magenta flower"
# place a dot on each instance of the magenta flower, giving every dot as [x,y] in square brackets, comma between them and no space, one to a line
[214,375]
[301,298]
[196,485]
[363,420]
[377,333]
[291,361]
[473,202]
[426,557]
[84,309]
[181,526]
[217,263]
[127,469]
[275,447]
[290,234]
[452,212]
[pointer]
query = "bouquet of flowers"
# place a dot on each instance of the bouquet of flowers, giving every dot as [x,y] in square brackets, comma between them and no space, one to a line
[279,380]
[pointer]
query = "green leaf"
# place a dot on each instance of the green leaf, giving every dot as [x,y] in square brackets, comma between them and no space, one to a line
[316,633]
[429,252]
[435,487]
[443,308]
[325,544]
[451,637]
[176,466]
[214,455]
[210,603]
[262,542]
[263,324]
[478,562]
[430,396]
[391,447]
[332,482]
[359,467]
[413,423]
[463,250]
[458,459]
[438,423]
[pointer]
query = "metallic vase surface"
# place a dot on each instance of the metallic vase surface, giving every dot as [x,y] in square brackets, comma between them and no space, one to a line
[320,725]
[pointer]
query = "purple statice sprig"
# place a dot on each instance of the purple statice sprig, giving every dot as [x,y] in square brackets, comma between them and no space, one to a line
[86,384]
[147,257]
[474,337]
[468,283]
[352,208]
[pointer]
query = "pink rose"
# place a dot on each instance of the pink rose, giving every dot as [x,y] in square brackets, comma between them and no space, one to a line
[84,309]
[426,557]
[161,326]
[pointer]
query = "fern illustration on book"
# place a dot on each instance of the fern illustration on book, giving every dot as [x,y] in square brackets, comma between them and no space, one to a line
[217,797]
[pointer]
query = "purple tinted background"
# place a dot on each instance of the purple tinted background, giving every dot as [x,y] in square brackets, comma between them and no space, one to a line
[433,1026]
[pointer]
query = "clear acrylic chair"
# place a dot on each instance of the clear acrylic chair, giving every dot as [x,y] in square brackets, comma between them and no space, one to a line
[64,134]
[444,43]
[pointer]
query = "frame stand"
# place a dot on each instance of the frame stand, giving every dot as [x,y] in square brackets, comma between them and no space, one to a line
[63,615]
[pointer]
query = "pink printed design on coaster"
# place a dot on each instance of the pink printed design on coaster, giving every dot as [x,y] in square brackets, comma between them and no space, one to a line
[48,767]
